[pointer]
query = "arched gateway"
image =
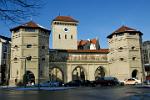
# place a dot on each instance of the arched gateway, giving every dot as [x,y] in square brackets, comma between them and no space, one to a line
[100,72]
[56,74]
[78,73]
[29,77]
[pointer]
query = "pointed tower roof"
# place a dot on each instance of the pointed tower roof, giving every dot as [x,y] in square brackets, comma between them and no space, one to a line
[123,29]
[65,19]
[30,24]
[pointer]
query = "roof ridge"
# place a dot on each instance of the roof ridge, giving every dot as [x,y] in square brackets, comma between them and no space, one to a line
[65,18]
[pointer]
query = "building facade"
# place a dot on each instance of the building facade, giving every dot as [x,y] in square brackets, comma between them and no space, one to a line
[29,54]
[146,57]
[5,43]
[31,58]
[64,29]
[124,58]
[90,44]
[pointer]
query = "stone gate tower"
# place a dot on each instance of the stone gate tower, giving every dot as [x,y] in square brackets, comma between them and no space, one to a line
[64,32]
[125,53]
[29,53]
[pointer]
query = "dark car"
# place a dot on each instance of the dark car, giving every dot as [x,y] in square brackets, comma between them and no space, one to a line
[106,81]
[74,83]
[87,83]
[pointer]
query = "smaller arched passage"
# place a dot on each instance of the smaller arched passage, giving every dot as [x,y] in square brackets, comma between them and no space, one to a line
[28,77]
[100,72]
[134,73]
[78,73]
[56,74]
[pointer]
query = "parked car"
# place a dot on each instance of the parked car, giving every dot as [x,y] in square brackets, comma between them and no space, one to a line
[49,84]
[106,81]
[147,82]
[74,83]
[132,81]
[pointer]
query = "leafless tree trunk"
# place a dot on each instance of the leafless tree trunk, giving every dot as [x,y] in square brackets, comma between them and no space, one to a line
[18,10]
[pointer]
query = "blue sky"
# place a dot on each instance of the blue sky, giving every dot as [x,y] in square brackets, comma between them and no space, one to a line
[97,18]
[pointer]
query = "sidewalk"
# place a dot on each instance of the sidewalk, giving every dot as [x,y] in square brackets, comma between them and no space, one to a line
[142,86]
[36,88]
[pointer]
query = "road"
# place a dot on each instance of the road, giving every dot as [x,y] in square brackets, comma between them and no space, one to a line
[81,93]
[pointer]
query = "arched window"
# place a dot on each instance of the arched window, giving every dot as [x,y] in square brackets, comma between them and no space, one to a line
[59,36]
[65,36]
[71,36]
[78,73]
[100,72]
[132,47]
[121,59]
[56,74]
[133,58]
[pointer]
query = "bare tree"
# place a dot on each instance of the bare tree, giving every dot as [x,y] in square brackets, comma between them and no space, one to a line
[18,10]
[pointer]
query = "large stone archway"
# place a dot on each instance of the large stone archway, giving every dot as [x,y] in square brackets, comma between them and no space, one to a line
[135,73]
[78,73]
[56,74]
[29,77]
[100,72]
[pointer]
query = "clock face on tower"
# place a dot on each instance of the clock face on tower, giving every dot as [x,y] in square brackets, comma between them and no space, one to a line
[66,29]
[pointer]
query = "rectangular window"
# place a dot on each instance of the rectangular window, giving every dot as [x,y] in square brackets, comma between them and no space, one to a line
[132,33]
[43,47]
[29,30]
[59,36]
[4,55]
[29,46]
[65,36]
[71,36]
[120,34]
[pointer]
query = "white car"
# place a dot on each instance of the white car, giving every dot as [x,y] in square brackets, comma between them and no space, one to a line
[132,81]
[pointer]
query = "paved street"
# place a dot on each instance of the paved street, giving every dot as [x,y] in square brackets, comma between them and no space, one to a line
[81,93]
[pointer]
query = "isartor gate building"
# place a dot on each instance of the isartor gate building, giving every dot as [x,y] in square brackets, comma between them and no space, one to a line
[70,59]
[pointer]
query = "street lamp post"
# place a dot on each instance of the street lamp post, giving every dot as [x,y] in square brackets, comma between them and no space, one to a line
[25,80]
[39,76]
[25,74]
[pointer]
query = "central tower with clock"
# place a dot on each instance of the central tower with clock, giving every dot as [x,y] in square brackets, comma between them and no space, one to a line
[64,33]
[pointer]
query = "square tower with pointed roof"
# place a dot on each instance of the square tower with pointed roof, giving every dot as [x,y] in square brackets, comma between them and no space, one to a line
[29,53]
[64,33]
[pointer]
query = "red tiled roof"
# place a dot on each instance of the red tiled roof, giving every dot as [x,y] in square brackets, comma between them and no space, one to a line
[84,42]
[65,19]
[29,24]
[94,41]
[124,29]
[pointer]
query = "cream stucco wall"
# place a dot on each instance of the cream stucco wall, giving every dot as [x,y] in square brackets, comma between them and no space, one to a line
[64,43]
[38,64]
[126,46]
